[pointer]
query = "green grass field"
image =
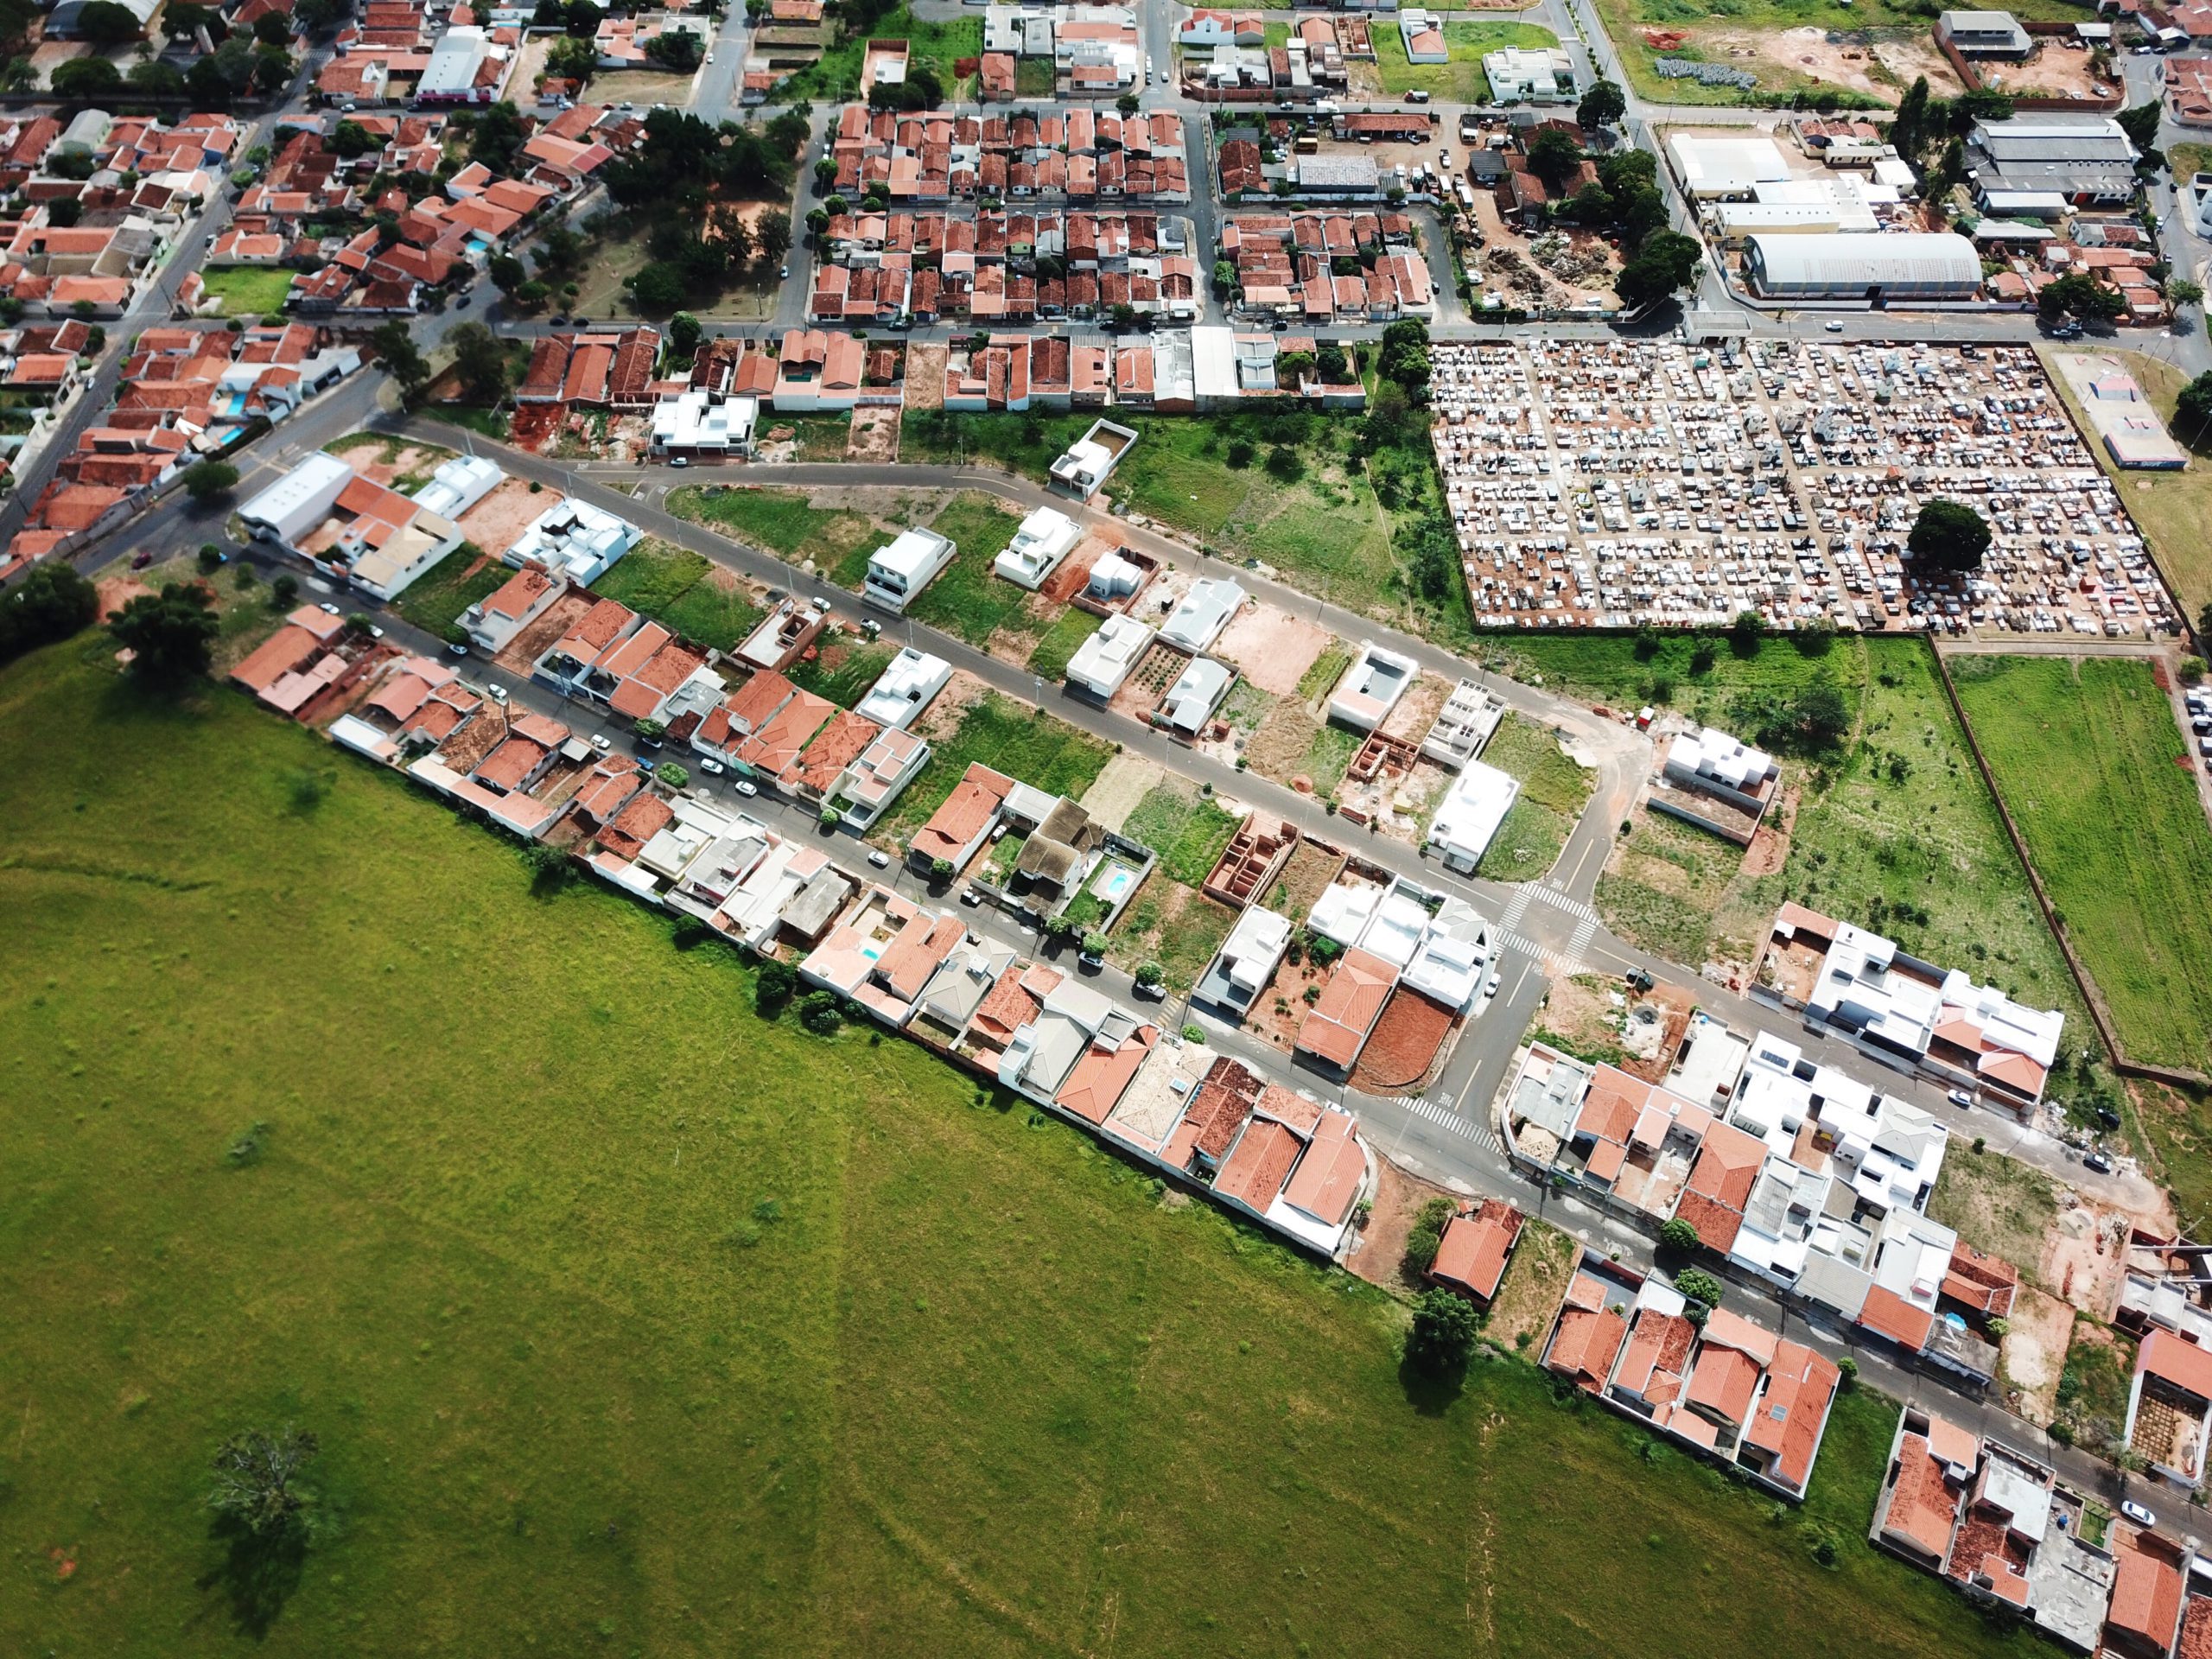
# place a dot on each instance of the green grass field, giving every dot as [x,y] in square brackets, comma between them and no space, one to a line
[1553,791]
[1461,80]
[835,74]
[631,1324]
[1187,829]
[1059,644]
[843,671]
[682,591]
[434,600]
[1009,737]
[2097,774]
[966,600]
[248,290]
[779,520]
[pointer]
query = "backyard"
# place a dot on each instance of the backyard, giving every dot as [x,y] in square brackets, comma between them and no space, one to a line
[248,290]
[1461,80]
[583,1286]
[683,592]
[2099,778]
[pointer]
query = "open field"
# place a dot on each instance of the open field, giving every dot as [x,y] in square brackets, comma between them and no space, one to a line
[1188,830]
[938,46]
[1325,530]
[683,592]
[1998,1205]
[783,522]
[248,290]
[966,600]
[2098,776]
[2171,508]
[1059,643]
[584,1287]
[1461,80]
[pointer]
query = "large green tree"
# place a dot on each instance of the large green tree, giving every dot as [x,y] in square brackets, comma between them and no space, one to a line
[169,634]
[402,359]
[1664,265]
[1602,105]
[1947,536]
[482,363]
[52,602]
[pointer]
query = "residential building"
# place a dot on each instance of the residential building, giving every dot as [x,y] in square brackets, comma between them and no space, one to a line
[1045,538]
[1478,1241]
[890,762]
[899,570]
[909,681]
[1245,963]
[1467,819]
[458,485]
[574,539]
[1086,464]
[1370,688]
[1993,35]
[493,622]
[1197,692]
[1104,661]
[957,829]
[1337,1027]
[1201,613]
[1522,75]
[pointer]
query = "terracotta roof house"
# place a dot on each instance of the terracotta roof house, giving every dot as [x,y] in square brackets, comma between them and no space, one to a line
[1470,1258]
[957,828]
[1337,1027]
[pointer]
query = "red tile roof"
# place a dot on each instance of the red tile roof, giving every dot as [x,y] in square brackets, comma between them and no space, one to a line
[1801,1385]
[977,795]
[1474,1252]
[2147,1592]
[1255,1173]
[2172,1359]
[1888,1314]
[1336,1028]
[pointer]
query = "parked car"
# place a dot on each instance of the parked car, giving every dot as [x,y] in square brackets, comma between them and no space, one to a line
[328,609]
[2137,1514]
[745,787]
[681,461]
[2098,1162]
[141,558]
[465,301]
[879,858]
[497,693]
[1833,326]
[599,741]
[712,767]
[2108,1117]
[971,895]
[1960,1098]
[457,650]
[1416,96]
[1490,987]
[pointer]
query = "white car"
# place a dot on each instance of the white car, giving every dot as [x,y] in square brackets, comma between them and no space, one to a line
[710,57]
[328,609]
[497,693]
[1960,1098]
[1833,327]
[746,787]
[2137,1514]
[880,859]
[602,742]
[713,768]
[1490,987]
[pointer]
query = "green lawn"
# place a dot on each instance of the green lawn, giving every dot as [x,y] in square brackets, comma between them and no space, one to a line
[2098,776]
[1009,737]
[682,591]
[1553,792]
[1324,530]
[631,1324]
[248,290]
[835,74]
[843,673]
[434,600]
[1059,644]
[838,540]
[1461,80]
[1033,78]
[966,600]
[1187,829]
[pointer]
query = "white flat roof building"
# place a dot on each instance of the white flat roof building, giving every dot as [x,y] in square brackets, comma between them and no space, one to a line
[1454,948]
[297,502]
[1196,694]
[897,573]
[1468,818]
[574,539]
[1197,622]
[698,424]
[459,485]
[1896,264]
[1247,960]
[1371,688]
[1047,537]
[904,690]
[1711,168]
[1104,661]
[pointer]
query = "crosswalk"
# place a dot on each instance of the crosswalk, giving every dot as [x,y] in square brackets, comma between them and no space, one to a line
[1445,1117]
[1558,901]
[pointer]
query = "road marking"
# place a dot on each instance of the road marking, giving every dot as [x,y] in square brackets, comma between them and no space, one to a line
[1559,900]
[1445,1117]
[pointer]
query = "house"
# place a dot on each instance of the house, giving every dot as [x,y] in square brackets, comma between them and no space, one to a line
[883,953]
[575,539]
[1197,691]
[1470,716]
[905,687]
[1370,688]
[959,826]
[1422,32]
[891,761]
[1246,963]
[899,570]
[1467,819]
[493,622]
[1206,29]
[1471,1256]
[1520,75]
[1993,35]
[1337,1027]
[458,485]
[288,509]
[1198,619]
[2169,1407]
[1104,661]
[785,634]
[1045,538]
[2147,1587]
[1592,1326]
[1086,464]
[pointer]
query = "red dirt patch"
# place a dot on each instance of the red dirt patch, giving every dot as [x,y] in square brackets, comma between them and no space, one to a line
[1380,1255]
[535,425]
[1404,1046]
[115,593]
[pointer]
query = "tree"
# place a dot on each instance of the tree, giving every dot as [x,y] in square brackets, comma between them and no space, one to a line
[272,29]
[672,774]
[1241,454]
[2139,122]
[168,633]
[182,23]
[1949,536]
[2077,294]
[1425,1237]
[1746,630]
[1149,974]
[105,24]
[2193,408]
[1662,267]
[658,289]
[258,1480]
[395,348]
[1909,130]
[1443,1335]
[1625,169]
[1330,363]
[92,77]
[52,602]
[1285,465]
[1819,714]
[1404,359]
[497,136]
[480,361]
[560,250]
[64,212]
[821,1013]
[582,18]
[350,138]
[316,16]
[154,77]
[1602,105]
[772,986]
[570,58]
[772,236]
[1679,1235]
[1699,1286]
[1128,103]
[675,49]
[1553,155]
[2181,291]
[272,69]
[210,481]
[20,76]
[507,273]
[284,590]
[683,331]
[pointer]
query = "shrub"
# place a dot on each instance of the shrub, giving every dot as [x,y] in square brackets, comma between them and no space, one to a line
[1194,1034]
[1428,1233]
[821,1013]
[772,986]
[1679,1235]
[670,773]
[1849,1367]
[1149,974]
[1699,1286]
[249,1146]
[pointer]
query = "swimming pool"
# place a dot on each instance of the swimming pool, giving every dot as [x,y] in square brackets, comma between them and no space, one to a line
[1114,882]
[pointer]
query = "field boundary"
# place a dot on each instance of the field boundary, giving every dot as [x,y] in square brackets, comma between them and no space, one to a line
[2100,1016]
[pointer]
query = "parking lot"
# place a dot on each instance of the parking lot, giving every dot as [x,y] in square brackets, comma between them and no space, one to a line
[1615,483]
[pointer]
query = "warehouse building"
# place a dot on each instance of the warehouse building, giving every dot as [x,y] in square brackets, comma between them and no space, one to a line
[1914,265]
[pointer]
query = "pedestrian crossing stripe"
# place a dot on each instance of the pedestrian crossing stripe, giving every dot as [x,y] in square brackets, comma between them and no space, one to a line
[1447,1118]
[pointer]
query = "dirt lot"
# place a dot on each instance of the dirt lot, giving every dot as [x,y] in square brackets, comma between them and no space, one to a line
[2056,70]
[1303,879]
[388,461]
[925,374]
[1279,1010]
[2084,1255]
[875,434]
[1882,69]
[1074,573]
[115,591]
[496,523]
[1272,648]
[1278,747]
[536,639]
[1533,1285]
[1507,269]
[644,87]
[1409,1042]
[2034,1354]
[1126,781]
[1379,1256]
[1148,681]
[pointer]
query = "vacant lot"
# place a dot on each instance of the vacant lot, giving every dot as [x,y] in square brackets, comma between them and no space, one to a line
[248,290]
[1998,1205]
[938,46]
[2098,776]
[434,600]
[1461,80]
[582,1282]
[966,600]
[1059,644]
[1553,791]
[683,592]
[1008,737]
[1187,829]
[781,521]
